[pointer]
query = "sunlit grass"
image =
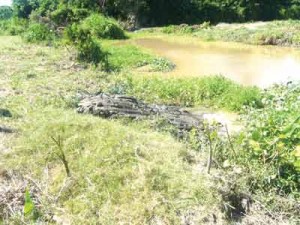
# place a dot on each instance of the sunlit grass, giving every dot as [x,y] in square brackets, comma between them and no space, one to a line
[118,173]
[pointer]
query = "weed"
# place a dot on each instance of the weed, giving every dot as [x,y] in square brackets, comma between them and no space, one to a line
[273,137]
[30,211]
[128,56]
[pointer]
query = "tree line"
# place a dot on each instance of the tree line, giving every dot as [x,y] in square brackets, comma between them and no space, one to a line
[159,12]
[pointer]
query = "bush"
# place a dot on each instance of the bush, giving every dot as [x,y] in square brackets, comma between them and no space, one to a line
[273,137]
[103,27]
[13,26]
[162,64]
[37,33]
[65,15]
[88,49]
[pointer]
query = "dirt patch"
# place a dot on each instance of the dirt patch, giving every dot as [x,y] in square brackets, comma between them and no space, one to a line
[4,92]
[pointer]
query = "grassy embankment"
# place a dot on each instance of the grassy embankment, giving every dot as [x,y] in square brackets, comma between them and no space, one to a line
[127,175]
[282,33]
[127,172]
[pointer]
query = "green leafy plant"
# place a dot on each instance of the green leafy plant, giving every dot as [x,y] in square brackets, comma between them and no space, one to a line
[214,91]
[30,211]
[273,137]
[88,49]
[37,32]
[162,64]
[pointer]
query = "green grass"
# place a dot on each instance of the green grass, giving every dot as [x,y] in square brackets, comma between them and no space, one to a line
[127,56]
[214,91]
[120,173]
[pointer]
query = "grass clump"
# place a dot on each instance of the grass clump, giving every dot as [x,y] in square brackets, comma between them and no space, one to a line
[273,137]
[127,56]
[185,28]
[212,91]
[162,64]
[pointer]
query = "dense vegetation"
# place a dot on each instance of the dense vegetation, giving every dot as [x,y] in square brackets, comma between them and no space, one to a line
[153,12]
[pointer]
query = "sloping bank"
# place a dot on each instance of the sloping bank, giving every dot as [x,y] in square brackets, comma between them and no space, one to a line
[281,33]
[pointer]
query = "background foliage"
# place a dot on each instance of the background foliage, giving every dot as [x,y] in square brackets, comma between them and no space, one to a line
[161,12]
[5,12]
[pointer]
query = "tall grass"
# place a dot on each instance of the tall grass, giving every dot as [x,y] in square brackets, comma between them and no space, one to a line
[211,91]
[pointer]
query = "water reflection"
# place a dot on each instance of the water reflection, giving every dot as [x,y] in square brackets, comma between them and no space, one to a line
[248,65]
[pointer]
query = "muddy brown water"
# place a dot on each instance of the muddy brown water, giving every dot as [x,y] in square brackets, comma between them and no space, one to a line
[248,65]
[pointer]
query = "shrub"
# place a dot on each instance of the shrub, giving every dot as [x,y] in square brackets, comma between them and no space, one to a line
[61,15]
[64,15]
[13,26]
[162,64]
[37,33]
[169,29]
[88,49]
[103,27]
[3,26]
[273,137]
